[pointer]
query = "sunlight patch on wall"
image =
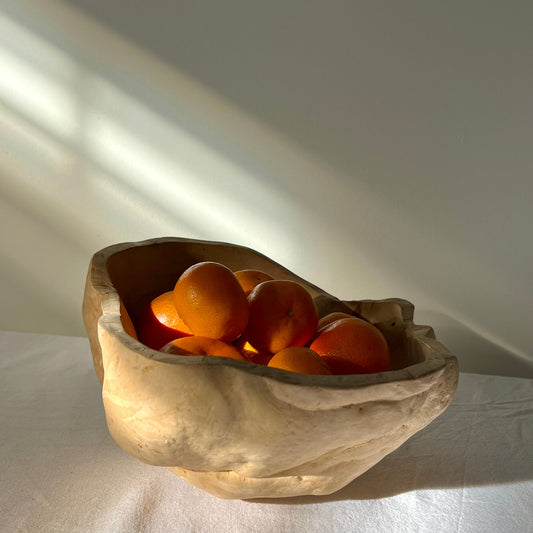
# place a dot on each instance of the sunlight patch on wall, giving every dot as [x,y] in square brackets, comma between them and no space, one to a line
[64,122]
[36,173]
[18,134]
[25,44]
[34,93]
[177,172]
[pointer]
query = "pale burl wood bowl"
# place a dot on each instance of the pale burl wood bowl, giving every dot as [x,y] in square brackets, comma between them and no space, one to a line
[241,430]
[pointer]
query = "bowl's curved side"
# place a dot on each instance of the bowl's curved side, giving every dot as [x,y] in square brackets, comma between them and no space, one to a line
[260,443]
[331,471]
[97,291]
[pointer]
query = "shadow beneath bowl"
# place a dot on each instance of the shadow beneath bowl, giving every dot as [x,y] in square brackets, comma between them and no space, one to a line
[483,438]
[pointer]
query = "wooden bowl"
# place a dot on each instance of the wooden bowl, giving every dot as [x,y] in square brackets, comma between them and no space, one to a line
[241,430]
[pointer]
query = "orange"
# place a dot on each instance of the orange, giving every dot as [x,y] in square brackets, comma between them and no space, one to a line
[127,324]
[197,345]
[328,319]
[352,346]
[300,359]
[249,279]
[211,301]
[160,323]
[282,314]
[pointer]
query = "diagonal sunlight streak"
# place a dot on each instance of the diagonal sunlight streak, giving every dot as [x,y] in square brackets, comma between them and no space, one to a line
[32,177]
[52,61]
[33,93]
[17,134]
[177,171]
[174,140]
[148,171]
[74,105]
[49,93]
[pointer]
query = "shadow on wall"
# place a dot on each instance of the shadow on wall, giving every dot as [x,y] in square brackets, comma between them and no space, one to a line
[475,353]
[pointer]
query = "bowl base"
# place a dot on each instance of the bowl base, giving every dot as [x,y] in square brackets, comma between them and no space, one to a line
[231,485]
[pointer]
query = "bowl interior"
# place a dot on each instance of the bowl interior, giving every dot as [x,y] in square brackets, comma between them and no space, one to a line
[139,272]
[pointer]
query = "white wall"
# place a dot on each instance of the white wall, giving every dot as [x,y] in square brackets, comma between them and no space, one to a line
[377,149]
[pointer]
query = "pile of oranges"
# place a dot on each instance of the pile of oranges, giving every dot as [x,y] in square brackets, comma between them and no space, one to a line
[249,316]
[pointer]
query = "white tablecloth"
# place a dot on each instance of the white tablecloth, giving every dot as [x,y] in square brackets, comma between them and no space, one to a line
[470,470]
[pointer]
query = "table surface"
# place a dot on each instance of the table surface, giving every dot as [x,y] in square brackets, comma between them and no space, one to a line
[471,469]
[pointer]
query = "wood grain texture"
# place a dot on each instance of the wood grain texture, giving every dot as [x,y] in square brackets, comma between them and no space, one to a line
[240,430]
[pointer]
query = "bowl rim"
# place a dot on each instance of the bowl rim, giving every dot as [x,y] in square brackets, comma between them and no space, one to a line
[110,320]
